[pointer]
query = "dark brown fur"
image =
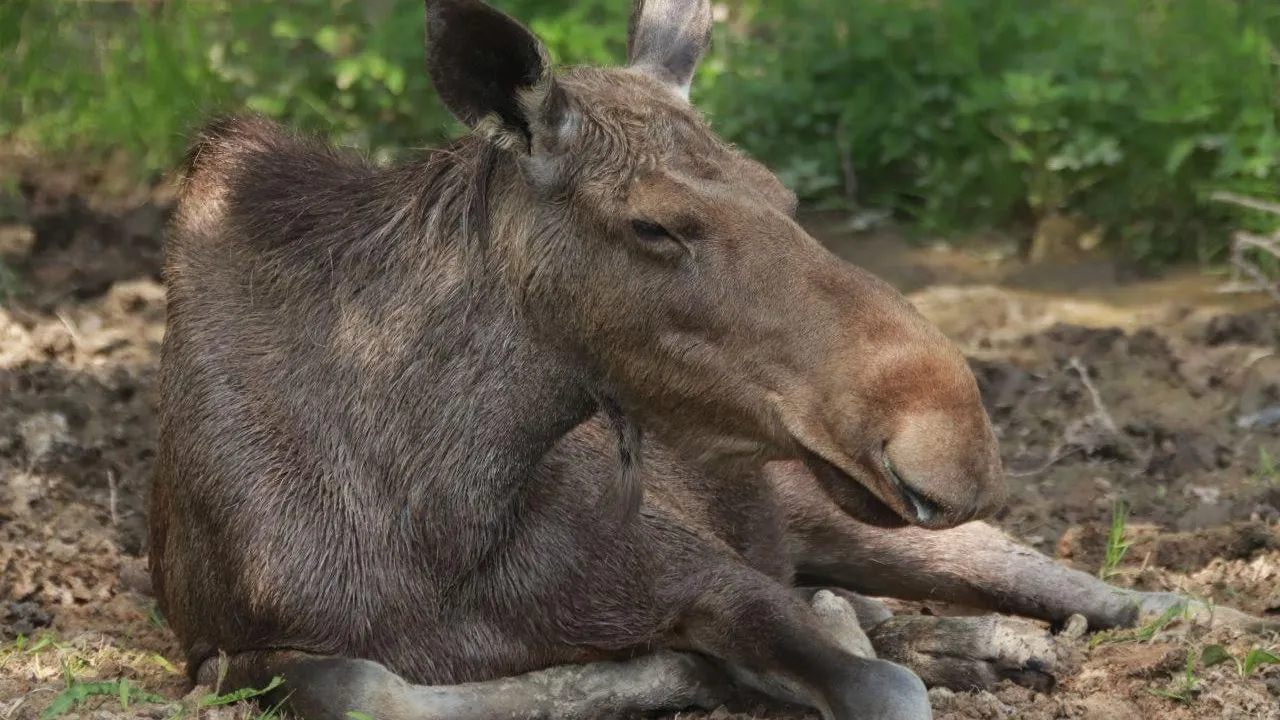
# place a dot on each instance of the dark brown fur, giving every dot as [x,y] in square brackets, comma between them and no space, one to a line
[392,401]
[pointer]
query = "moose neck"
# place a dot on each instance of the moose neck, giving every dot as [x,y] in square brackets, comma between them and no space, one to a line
[475,398]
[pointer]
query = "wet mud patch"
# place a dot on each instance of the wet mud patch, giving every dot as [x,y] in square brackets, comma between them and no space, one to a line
[1157,406]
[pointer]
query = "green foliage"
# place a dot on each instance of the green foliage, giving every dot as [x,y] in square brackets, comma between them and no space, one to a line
[1117,546]
[958,115]
[1186,686]
[103,76]
[1254,659]
[241,695]
[1144,633]
[974,113]
[1267,471]
[77,693]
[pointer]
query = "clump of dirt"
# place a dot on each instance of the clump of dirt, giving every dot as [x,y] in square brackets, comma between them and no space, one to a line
[1093,403]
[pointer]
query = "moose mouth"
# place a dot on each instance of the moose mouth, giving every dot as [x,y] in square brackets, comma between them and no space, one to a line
[907,506]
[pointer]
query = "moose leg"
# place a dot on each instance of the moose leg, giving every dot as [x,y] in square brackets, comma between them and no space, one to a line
[975,564]
[770,639]
[328,688]
[979,566]
[958,653]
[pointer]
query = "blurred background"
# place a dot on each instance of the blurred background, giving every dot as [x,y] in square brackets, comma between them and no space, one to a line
[956,115]
[1082,194]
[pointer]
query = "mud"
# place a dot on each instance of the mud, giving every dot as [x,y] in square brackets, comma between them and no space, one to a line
[1104,388]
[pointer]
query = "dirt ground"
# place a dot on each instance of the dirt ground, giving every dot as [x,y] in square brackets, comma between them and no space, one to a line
[1104,385]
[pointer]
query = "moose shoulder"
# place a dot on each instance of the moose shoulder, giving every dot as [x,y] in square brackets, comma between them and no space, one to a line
[401,406]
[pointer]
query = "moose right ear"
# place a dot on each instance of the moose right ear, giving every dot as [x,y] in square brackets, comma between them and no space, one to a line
[491,72]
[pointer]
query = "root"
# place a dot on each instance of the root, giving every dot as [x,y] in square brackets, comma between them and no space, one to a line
[1244,244]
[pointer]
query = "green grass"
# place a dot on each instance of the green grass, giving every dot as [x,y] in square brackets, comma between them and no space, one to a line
[77,694]
[1144,633]
[83,688]
[1117,546]
[1267,472]
[1186,686]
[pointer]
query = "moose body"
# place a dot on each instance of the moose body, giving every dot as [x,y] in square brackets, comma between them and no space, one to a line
[402,412]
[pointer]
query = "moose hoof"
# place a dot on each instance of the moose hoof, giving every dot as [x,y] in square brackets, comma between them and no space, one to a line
[1152,606]
[840,621]
[973,653]
[882,689]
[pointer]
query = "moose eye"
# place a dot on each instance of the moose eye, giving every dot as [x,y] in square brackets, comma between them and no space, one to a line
[650,232]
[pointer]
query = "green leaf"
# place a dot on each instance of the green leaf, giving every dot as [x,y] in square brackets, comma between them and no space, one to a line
[395,79]
[347,71]
[1181,150]
[1257,657]
[1214,655]
[77,693]
[11,13]
[327,38]
[285,29]
[42,642]
[242,694]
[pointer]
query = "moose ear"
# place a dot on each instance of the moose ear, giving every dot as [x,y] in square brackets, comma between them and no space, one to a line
[667,39]
[491,72]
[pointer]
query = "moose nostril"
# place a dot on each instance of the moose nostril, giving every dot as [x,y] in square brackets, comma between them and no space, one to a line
[925,509]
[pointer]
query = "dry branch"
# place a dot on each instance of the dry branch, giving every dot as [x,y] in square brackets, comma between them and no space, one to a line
[1243,243]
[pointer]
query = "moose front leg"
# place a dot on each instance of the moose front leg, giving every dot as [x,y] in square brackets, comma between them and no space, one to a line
[809,653]
[975,565]
[965,653]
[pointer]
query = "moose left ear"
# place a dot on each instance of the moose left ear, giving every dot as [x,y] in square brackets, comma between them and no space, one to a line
[667,39]
[492,73]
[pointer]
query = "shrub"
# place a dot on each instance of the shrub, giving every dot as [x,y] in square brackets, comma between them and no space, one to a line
[957,114]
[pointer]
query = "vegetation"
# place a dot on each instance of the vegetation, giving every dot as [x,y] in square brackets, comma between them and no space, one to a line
[1124,115]
[1253,660]
[1117,545]
[83,665]
[1144,633]
[1186,687]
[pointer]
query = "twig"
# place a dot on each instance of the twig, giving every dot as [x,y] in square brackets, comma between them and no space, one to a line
[1100,411]
[1243,201]
[13,707]
[112,496]
[1099,408]
[1054,458]
[76,338]
[1242,242]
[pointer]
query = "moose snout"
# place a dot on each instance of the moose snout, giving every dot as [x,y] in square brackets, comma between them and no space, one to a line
[945,470]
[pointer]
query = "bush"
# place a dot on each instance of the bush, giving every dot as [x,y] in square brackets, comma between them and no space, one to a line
[975,113]
[958,114]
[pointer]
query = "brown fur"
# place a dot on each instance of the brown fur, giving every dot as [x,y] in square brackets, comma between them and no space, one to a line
[394,402]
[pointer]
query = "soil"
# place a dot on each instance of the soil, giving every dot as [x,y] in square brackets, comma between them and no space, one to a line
[1104,384]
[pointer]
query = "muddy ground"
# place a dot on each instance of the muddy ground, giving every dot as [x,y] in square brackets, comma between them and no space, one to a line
[1104,385]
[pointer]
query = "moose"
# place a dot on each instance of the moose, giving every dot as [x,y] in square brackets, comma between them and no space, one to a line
[566,419]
